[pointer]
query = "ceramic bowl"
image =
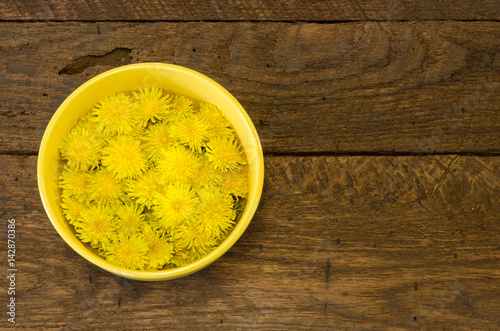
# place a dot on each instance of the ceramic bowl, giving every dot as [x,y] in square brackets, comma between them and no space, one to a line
[173,78]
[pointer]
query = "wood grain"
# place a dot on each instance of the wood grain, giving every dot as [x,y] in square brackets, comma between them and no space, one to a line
[337,243]
[262,10]
[428,87]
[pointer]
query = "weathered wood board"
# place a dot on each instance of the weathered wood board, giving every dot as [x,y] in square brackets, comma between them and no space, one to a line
[337,243]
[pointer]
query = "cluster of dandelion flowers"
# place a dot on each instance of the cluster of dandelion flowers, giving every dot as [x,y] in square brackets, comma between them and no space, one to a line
[152,180]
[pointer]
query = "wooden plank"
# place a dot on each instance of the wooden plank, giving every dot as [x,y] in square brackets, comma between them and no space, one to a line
[429,87]
[263,10]
[337,243]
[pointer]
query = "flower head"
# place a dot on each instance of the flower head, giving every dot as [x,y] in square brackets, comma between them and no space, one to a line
[176,206]
[124,157]
[116,114]
[190,236]
[218,122]
[81,149]
[192,131]
[130,218]
[180,107]
[177,164]
[225,154]
[207,175]
[104,187]
[157,138]
[159,249]
[234,182]
[87,123]
[184,256]
[128,251]
[216,212]
[152,105]
[144,188]
[96,225]
[72,208]
[74,183]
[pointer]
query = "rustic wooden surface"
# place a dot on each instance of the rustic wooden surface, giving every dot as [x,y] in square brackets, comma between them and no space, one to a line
[258,10]
[360,87]
[381,130]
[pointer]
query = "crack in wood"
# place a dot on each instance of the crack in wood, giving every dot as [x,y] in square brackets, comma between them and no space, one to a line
[117,57]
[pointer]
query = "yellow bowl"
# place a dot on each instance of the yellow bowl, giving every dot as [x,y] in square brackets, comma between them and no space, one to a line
[174,78]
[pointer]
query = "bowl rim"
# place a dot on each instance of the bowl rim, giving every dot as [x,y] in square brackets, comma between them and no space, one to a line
[176,272]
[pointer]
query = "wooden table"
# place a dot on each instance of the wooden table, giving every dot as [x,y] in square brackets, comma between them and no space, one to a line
[380,124]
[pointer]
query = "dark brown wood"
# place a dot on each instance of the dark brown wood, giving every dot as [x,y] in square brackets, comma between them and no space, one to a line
[337,243]
[426,87]
[262,10]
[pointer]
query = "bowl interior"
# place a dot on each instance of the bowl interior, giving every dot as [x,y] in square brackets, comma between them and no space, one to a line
[172,78]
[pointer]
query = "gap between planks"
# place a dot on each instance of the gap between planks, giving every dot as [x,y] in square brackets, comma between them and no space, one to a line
[247,21]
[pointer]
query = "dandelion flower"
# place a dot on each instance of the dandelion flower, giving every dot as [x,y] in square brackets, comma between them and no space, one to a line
[191,236]
[144,187]
[157,138]
[176,206]
[225,154]
[74,183]
[234,182]
[159,249]
[180,107]
[216,213]
[124,157]
[185,256]
[192,131]
[116,114]
[72,208]
[207,175]
[153,221]
[130,218]
[152,105]
[177,164]
[81,149]
[128,251]
[86,123]
[96,225]
[218,122]
[104,187]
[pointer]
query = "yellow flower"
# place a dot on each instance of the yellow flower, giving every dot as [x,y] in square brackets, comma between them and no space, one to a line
[74,183]
[184,256]
[159,249]
[152,105]
[86,123]
[234,182]
[218,122]
[176,206]
[225,154]
[128,251]
[72,208]
[177,164]
[180,107]
[96,225]
[153,221]
[104,187]
[116,114]
[216,213]
[130,218]
[207,175]
[144,187]
[192,131]
[124,157]
[190,236]
[157,138]
[81,149]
